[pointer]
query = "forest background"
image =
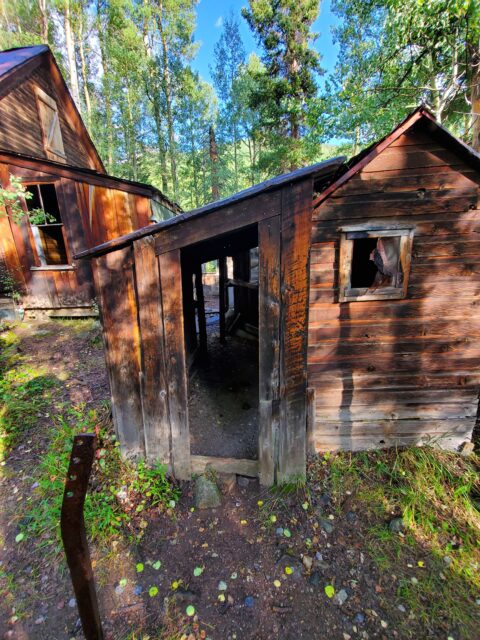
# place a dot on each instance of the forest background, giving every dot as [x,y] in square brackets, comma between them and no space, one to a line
[130,66]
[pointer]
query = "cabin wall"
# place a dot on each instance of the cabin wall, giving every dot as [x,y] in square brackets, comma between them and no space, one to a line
[91,215]
[20,129]
[396,372]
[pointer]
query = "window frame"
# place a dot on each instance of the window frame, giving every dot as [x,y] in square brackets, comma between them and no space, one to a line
[36,242]
[348,234]
[51,152]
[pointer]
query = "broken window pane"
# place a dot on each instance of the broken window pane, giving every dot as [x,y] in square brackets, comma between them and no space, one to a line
[376,263]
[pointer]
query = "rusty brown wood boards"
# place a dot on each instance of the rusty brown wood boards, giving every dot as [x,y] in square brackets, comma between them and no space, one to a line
[404,371]
[163,291]
[94,207]
[379,372]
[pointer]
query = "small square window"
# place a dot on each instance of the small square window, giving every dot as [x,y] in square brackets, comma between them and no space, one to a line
[374,264]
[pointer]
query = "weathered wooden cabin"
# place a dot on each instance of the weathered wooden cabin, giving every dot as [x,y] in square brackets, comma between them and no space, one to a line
[366,302]
[44,143]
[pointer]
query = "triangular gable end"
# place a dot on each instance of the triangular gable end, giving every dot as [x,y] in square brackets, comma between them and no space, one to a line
[19,66]
[420,114]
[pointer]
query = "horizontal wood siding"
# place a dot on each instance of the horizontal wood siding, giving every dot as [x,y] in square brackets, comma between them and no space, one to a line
[20,128]
[402,371]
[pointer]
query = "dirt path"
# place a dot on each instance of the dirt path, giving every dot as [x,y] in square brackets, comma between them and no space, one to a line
[268,557]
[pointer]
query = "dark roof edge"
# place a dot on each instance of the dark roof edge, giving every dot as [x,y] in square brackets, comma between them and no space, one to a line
[148,189]
[325,168]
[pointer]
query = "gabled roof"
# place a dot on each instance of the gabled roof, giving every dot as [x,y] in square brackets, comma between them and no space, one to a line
[16,65]
[421,115]
[320,171]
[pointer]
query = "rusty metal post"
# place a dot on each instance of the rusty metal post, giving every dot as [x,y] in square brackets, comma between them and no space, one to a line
[74,537]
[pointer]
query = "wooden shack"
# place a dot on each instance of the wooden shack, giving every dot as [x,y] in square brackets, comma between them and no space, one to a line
[366,290]
[45,144]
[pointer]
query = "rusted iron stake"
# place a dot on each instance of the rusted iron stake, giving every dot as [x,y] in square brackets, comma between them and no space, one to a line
[74,537]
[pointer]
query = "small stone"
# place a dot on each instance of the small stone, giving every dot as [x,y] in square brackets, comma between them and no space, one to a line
[60,604]
[326,525]
[207,495]
[279,531]
[396,525]
[314,579]
[383,624]
[351,517]
[346,636]
[359,618]
[34,485]
[249,601]
[319,556]
[307,562]
[72,603]
[340,597]
[401,608]
[138,590]
[466,449]
[242,481]
[324,500]
[40,620]
[447,560]
[119,590]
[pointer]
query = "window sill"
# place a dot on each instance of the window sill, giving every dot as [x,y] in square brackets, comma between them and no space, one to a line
[359,295]
[53,267]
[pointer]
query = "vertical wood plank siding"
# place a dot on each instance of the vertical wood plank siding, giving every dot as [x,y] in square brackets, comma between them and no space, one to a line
[114,281]
[154,391]
[295,248]
[400,371]
[269,240]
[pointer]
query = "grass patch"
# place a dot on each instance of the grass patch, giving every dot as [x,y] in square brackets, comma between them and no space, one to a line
[437,493]
[106,515]
[25,393]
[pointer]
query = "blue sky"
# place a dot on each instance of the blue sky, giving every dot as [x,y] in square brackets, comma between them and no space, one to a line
[210,14]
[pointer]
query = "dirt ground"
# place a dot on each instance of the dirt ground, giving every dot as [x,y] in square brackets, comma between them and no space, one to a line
[223,398]
[270,590]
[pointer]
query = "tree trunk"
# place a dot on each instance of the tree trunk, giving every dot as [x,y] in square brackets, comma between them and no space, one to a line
[475,98]
[214,163]
[102,37]
[70,45]
[168,100]
[42,5]
[86,92]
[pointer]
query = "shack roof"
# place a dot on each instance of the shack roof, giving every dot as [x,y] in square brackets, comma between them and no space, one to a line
[320,171]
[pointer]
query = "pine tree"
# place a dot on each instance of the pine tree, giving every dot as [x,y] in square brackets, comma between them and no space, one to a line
[283,30]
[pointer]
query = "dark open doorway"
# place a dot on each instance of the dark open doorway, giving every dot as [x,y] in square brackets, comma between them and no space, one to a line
[221,337]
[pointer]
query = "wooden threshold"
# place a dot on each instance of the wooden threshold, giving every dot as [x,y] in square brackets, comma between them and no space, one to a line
[241,466]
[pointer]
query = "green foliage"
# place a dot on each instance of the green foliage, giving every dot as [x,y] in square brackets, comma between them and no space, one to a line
[281,94]
[438,494]
[25,394]
[105,517]
[395,55]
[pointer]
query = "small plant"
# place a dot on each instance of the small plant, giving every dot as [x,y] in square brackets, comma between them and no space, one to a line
[11,203]
[152,483]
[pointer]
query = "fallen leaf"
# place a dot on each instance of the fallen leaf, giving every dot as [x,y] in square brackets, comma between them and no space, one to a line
[234,576]
[221,597]
[222,586]
[198,571]
[123,582]
[305,506]
[329,591]
[260,503]
[139,567]
[175,585]
[288,571]
[157,564]
[421,563]
[286,533]
[273,518]
[19,537]
[190,610]
[153,591]
[277,583]
[243,522]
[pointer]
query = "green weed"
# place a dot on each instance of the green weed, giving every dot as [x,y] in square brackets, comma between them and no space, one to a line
[437,494]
